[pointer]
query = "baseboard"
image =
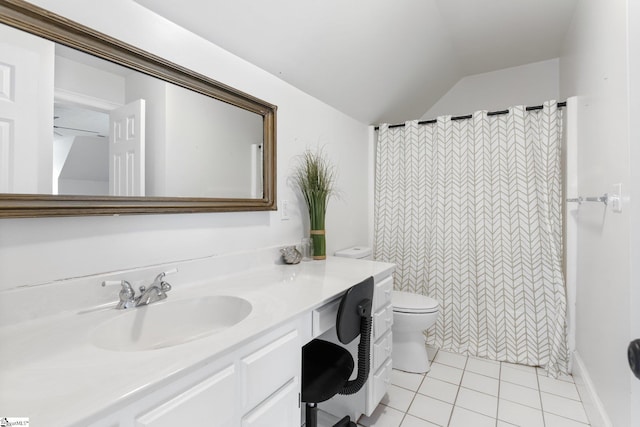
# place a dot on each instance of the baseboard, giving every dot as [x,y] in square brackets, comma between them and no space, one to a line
[592,404]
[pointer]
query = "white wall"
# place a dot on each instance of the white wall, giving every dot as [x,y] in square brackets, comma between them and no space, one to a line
[634,191]
[217,151]
[154,92]
[86,168]
[39,250]
[75,77]
[529,84]
[594,68]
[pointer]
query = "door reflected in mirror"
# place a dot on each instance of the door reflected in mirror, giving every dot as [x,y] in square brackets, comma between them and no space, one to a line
[75,124]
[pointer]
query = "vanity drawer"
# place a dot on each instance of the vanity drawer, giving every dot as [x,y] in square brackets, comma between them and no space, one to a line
[379,384]
[381,351]
[382,321]
[280,409]
[210,399]
[267,369]
[382,293]
[324,317]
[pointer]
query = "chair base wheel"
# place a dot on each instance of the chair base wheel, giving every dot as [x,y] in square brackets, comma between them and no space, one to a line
[345,422]
[311,418]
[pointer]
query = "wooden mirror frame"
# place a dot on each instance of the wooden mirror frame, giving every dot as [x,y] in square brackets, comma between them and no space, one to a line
[35,20]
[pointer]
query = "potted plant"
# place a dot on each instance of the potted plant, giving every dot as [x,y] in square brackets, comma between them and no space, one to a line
[315,177]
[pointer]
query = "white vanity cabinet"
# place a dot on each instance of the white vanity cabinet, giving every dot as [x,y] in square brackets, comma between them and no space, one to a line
[368,398]
[246,375]
[255,385]
[271,383]
[210,399]
[280,409]
[380,377]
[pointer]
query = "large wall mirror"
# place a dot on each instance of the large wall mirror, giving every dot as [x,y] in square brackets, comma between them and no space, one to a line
[92,126]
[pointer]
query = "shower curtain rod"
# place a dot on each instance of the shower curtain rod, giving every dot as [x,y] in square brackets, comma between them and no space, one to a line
[468,116]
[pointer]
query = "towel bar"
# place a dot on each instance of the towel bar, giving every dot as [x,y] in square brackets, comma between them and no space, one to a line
[604,199]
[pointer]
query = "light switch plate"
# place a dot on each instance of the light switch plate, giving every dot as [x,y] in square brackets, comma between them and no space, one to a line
[284,210]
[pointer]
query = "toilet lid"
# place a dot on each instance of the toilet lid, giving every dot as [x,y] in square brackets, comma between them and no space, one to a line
[408,302]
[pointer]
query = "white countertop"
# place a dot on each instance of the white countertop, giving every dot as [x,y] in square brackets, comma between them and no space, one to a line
[52,373]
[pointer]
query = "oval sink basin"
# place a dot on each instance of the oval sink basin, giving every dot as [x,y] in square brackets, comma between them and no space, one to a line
[170,323]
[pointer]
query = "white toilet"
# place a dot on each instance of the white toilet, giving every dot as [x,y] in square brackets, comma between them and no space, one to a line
[412,314]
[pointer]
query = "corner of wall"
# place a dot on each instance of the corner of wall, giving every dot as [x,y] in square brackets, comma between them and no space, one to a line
[529,84]
[592,404]
[371,152]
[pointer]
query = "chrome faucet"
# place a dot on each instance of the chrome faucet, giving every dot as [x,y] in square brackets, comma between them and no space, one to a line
[157,291]
[127,296]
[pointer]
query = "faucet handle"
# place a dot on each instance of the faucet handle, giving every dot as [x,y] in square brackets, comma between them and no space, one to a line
[162,275]
[111,282]
[126,286]
[168,272]
[127,294]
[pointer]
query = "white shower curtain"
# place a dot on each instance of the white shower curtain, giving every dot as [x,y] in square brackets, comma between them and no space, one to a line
[471,213]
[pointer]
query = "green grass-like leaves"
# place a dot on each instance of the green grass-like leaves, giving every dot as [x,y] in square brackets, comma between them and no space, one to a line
[315,178]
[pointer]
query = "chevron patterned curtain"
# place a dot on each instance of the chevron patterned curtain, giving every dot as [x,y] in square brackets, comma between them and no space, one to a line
[470,211]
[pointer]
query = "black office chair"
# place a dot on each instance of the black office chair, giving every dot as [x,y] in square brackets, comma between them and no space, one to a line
[326,367]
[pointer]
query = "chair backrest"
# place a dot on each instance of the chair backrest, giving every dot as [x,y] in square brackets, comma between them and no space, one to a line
[356,304]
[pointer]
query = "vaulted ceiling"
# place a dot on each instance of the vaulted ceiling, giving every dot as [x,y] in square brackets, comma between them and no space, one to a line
[377,60]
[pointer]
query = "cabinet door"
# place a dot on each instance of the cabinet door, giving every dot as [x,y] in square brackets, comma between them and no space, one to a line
[382,295]
[381,351]
[280,409]
[209,403]
[378,385]
[324,317]
[269,368]
[382,321]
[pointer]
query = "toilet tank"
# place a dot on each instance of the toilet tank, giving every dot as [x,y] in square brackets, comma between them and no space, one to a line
[358,252]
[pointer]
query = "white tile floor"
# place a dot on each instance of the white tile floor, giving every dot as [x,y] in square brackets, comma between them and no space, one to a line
[462,391]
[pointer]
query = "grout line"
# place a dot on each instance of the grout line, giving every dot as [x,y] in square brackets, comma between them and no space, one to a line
[415,393]
[570,419]
[459,386]
[499,382]
[407,411]
[544,422]
[523,385]
[458,391]
[562,396]
[404,416]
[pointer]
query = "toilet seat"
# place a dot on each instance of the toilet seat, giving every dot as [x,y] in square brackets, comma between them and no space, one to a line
[408,302]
